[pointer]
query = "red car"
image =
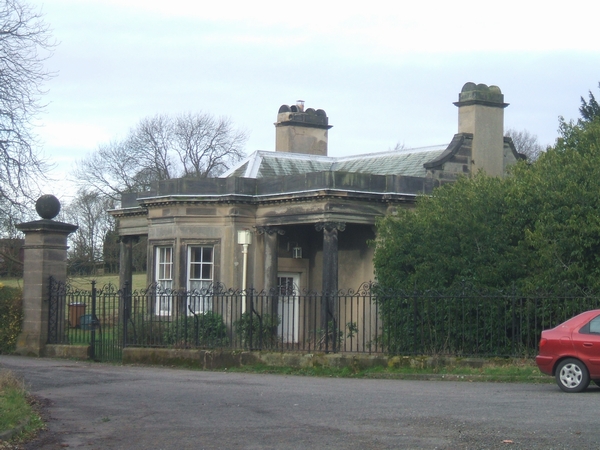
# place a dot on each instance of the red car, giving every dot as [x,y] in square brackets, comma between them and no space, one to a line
[571,352]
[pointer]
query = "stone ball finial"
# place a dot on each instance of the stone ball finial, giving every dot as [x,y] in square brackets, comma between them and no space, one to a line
[47,206]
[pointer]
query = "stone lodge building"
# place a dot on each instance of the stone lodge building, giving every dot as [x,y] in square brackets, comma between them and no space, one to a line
[296,216]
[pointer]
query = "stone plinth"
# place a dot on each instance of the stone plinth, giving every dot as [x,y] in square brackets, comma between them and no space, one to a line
[45,255]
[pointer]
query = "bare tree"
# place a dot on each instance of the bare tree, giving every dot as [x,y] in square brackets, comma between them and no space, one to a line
[526,143]
[88,211]
[111,170]
[25,43]
[398,147]
[152,143]
[10,244]
[160,148]
[206,146]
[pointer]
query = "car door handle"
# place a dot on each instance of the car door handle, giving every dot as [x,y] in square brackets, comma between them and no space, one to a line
[588,344]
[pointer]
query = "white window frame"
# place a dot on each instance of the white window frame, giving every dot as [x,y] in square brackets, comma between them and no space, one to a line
[163,277]
[200,279]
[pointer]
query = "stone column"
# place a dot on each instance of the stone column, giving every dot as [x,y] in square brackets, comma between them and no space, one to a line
[271,235]
[126,261]
[45,256]
[330,270]
[271,247]
[126,277]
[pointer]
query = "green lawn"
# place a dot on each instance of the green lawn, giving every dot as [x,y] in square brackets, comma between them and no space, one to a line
[139,281]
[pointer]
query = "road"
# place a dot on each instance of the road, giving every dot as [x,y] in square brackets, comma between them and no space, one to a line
[103,406]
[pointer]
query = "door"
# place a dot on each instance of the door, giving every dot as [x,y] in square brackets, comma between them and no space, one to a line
[288,306]
[587,345]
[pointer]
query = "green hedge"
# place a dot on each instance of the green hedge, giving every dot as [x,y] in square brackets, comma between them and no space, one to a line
[11,317]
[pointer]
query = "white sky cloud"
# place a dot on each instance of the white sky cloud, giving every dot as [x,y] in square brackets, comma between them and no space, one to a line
[384,72]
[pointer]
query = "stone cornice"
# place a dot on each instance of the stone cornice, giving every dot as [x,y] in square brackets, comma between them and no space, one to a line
[47,225]
[284,197]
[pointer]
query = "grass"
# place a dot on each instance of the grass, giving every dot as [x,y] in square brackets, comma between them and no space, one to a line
[16,406]
[12,282]
[519,372]
[139,281]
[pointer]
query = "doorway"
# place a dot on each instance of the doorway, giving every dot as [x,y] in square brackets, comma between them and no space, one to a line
[288,306]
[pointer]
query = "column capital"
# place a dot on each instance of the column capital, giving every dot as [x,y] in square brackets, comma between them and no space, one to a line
[330,226]
[270,230]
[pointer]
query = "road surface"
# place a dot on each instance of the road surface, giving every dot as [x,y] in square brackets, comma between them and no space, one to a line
[103,406]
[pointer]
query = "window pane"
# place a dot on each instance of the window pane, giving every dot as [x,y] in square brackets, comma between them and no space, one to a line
[195,271]
[595,325]
[164,263]
[164,280]
[196,254]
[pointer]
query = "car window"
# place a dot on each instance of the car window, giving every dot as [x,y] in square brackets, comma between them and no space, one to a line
[592,327]
[595,325]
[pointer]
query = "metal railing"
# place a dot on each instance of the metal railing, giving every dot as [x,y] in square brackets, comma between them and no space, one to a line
[369,320]
[82,317]
[217,318]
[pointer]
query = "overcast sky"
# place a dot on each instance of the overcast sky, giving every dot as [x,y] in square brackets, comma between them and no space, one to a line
[384,72]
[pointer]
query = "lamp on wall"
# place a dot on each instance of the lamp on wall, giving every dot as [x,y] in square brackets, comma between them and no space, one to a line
[297,252]
[296,249]
[244,239]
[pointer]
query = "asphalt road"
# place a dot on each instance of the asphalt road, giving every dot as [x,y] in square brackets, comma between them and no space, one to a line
[102,406]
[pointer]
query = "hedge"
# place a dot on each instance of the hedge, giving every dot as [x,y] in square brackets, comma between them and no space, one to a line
[11,317]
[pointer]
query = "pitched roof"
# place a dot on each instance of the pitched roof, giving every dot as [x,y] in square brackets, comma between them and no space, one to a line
[408,162]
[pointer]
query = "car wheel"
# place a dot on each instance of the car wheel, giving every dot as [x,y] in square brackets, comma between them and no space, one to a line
[572,375]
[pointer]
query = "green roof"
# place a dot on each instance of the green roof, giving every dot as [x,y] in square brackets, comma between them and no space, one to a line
[263,164]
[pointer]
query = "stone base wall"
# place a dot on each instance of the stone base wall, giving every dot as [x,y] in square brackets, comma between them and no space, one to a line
[67,351]
[211,360]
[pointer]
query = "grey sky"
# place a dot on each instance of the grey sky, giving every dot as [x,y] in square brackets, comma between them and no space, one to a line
[384,73]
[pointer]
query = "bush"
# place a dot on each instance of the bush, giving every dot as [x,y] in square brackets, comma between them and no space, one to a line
[141,330]
[256,331]
[11,317]
[202,330]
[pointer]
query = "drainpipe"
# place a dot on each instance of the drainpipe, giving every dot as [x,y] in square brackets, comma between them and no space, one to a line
[244,239]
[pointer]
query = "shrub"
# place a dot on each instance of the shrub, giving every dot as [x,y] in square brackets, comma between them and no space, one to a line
[143,330]
[11,317]
[257,331]
[201,330]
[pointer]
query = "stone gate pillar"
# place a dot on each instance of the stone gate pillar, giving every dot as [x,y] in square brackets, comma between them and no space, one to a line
[45,255]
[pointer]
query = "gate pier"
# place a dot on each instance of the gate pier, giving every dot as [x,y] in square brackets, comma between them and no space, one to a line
[45,256]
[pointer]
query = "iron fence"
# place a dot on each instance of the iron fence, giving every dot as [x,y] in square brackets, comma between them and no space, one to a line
[279,320]
[87,317]
[473,322]
[369,320]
